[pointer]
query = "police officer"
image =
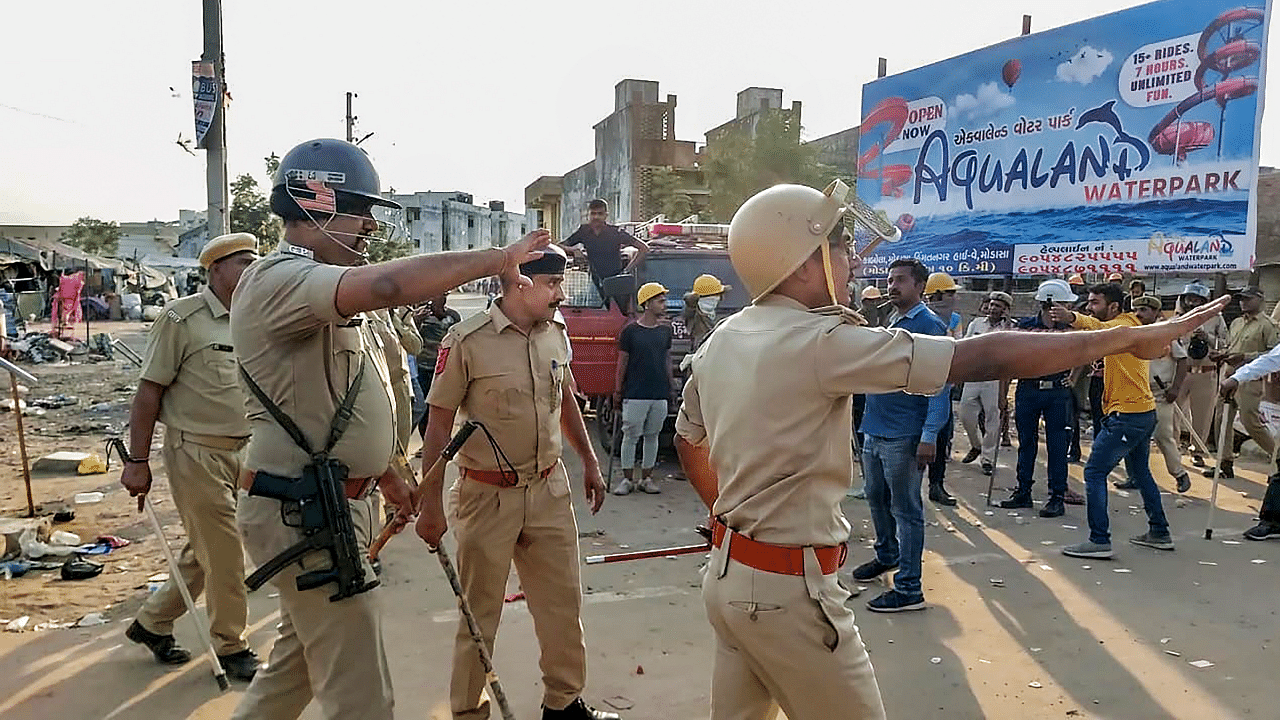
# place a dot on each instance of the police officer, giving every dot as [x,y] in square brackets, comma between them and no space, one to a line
[1200,389]
[189,384]
[1252,335]
[784,635]
[508,369]
[302,337]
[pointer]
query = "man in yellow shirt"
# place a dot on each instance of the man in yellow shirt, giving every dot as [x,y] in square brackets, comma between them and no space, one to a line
[1129,421]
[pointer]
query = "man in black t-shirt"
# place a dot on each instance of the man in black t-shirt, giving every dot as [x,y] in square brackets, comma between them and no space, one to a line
[644,385]
[602,244]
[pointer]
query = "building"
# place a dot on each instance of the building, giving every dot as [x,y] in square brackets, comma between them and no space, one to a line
[440,221]
[754,105]
[153,237]
[635,142]
[193,232]
[839,151]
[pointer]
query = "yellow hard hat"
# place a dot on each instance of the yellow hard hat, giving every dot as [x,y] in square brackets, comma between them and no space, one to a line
[709,285]
[871,292]
[649,291]
[1076,279]
[778,229]
[939,282]
[1115,277]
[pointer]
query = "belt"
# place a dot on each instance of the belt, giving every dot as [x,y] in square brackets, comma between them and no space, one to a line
[499,478]
[217,442]
[780,559]
[353,488]
[1203,369]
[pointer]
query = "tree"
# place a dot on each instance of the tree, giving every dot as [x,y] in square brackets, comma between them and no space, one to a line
[742,162]
[93,236]
[383,249]
[251,212]
[668,193]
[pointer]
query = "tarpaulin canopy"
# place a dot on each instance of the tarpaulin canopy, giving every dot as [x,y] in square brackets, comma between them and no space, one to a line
[53,255]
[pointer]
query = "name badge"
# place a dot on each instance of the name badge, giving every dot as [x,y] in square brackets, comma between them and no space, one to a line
[222,348]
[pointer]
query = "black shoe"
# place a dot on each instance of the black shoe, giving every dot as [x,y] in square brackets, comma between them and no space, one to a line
[377,566]
[240,666]
[939,494]
[1053,508]
[988,468]
[872,570]
[1262,531]
[164,647]
[1017,500]
[971,456]
[1126,485]
[1197,460]
[578,710]
[1228,470]
[892,601]
[1184,482]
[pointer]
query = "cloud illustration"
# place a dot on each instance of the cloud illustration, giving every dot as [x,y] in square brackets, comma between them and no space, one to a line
[1084,66]
[989,100]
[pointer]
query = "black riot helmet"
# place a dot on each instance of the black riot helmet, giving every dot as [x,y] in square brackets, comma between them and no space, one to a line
[325,177]
[1198,347]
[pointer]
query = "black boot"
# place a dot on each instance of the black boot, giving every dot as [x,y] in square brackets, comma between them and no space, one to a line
[578,710]
[1018,499]
[165,649]
[939,494]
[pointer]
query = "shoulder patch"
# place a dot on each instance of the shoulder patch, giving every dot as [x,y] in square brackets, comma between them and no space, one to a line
[466,327]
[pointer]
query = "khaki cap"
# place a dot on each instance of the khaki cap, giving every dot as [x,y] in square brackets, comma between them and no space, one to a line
[1150,301]
[225,245]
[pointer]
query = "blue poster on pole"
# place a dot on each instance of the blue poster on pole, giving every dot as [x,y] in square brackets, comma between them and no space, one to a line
[204,95]
[1123,143]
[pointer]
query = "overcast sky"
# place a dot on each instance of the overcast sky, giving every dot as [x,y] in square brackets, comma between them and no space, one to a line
[482,97]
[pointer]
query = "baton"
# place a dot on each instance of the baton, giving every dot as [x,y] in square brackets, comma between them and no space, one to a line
[647,554]
[1228,419]
[1182,417]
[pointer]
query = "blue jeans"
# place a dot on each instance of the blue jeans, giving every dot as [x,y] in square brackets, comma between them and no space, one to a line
[893,492]
[1123,436]
[1032,404]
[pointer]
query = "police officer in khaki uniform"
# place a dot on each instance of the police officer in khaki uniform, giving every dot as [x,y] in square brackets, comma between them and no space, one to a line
[1252,335]
[784,635]
[1200,389]
[508,369]
[302,337]
[189,384]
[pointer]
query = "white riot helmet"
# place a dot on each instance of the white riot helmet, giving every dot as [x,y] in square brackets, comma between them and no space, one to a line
[777,229]
[1196,288]
[1055,291]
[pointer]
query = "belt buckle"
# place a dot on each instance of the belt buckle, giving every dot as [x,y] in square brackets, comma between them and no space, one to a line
[1048,384]
[844,554]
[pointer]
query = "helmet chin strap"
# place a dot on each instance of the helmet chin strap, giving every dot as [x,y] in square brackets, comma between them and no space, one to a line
[826,270]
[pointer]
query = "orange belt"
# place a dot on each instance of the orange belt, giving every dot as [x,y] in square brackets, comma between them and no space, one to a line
[497,478]
[780,559]
[353,488]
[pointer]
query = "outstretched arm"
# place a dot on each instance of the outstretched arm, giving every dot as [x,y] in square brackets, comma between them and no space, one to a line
[1000,355]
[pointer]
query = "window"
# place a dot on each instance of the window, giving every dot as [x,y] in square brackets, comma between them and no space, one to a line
[413,214]
[471,221]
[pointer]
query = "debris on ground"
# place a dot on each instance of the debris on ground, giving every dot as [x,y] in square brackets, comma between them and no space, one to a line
[617,702]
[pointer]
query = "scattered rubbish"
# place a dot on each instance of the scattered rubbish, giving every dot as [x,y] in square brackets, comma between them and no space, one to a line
[1121,570]
[590,533]
[91,620]
[1047,542]
[88,498]
[53,402]
[1122,493]
[1034,684]
[1257,561]
[62,537]
[158,577]
[936,660]
[1165,641]
[33,548]
[617,702]
[65,515]
[639,669]
[1014,514]
[18,625]
[988,662]
[989,512]
[998,582]
[1206,562]
[114,541]
[625,547]
[1045,567]
[274,595]
[1035,649]
[1202,664]
[14,568]
[1180,502]
[1020,520]
[80,569]
[1070,527]
[1230,542]
[92,465]
[513,597]
[1086,567]
[65,462]
[1174,653]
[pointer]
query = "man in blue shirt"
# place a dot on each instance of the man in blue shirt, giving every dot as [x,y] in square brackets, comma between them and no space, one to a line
[901,431]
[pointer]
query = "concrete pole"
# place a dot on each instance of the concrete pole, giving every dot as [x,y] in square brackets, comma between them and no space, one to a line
[215,143]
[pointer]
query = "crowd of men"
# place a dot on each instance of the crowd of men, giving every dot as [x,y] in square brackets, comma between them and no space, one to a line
[287,392]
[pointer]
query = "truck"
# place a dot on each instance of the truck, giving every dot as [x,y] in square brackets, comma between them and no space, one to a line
[678,253]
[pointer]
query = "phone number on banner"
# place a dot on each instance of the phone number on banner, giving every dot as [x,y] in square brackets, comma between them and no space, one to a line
[1082,262]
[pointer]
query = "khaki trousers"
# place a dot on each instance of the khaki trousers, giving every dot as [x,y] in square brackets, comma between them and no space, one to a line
[982,396]
[534,526]
[203,480]
[1199,398]
[330,651]
[785,641]
[1166,441]
[1248,399]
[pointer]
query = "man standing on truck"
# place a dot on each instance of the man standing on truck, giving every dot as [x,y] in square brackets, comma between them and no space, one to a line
[602,243]
[644,386]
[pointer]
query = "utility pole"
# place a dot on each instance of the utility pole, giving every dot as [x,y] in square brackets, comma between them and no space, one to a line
[215,144]
[351,120]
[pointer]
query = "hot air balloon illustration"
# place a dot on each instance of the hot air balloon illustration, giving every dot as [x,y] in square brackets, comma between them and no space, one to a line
[1011,72]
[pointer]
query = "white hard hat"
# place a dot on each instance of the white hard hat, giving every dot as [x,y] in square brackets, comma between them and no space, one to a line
[1055,291]
[1196,288]
[777,229]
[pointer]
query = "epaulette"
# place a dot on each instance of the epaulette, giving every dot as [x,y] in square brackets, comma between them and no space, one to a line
[184,307]
[468,326]
[848,316]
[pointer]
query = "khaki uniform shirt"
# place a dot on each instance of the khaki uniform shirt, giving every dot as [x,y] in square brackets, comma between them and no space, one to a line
[189,351]
[770,393]
[509,382]
[304,355]
[1252,337]
[386,333]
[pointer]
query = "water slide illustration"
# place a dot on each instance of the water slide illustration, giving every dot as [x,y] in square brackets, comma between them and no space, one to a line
[891,114]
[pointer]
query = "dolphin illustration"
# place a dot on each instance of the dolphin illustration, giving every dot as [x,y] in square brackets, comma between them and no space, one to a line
[1106,114]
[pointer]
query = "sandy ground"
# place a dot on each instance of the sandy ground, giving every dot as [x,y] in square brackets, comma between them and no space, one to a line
[1058,637]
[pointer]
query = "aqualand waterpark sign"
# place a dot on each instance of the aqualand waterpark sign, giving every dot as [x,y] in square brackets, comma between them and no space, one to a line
[1122,143]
